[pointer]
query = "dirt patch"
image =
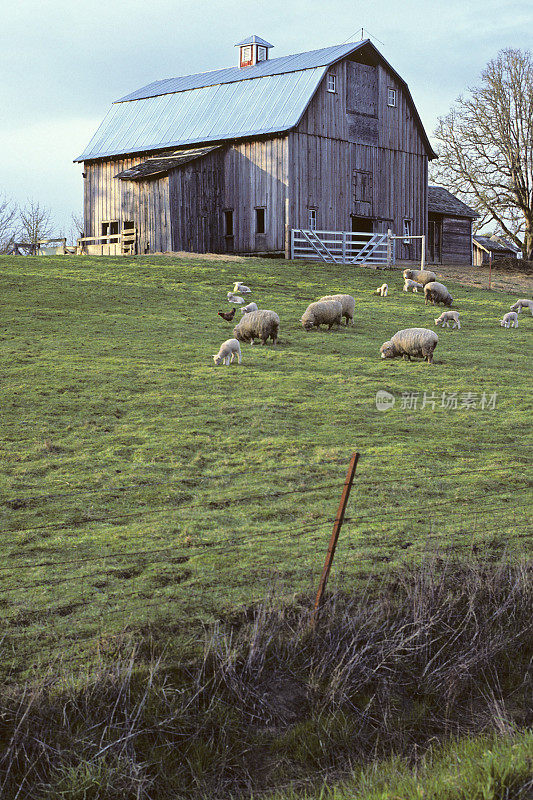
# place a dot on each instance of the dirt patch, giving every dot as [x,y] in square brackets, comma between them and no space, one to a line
[501,280]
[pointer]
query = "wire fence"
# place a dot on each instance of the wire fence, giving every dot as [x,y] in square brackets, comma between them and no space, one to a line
[80,601]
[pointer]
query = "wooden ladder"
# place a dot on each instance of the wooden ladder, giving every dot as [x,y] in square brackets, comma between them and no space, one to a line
[128,241]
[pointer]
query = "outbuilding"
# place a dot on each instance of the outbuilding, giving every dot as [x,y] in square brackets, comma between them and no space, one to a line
[449,236]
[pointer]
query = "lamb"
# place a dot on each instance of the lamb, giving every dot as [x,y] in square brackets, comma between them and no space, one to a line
[510,320]
[520,304]
[437,293]
[411,342]
[422,276]
[260,324]
[409,284]
[247,309]
[240,287]
[228,350]
[227,315]
[382,290]
[347,302]
[234,298]
[449,316]
[323,312]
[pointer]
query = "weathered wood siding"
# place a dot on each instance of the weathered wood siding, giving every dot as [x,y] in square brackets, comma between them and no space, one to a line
[146,203]
[354,130]
[456,240]
[256,175]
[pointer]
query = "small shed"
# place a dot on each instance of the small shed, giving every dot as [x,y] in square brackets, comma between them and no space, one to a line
[487,249]
[449,228]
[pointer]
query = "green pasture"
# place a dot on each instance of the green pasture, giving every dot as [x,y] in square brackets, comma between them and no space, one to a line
[143,486]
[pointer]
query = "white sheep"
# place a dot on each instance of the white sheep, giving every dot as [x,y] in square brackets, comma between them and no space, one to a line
[509,320]
[411,343]
[235,299]
[324,312]
[262,324]
[228,350]
[347,302]
[240,287]
[409,284]
[422,276]
[449,316]
[382,290]
[520,304]
[435,292]
[247,309]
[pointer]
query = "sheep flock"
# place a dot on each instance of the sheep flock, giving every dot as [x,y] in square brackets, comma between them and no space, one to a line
[330,310]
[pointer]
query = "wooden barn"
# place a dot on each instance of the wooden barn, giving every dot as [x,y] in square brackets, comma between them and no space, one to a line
[488,249]
[449,234]
[230,161]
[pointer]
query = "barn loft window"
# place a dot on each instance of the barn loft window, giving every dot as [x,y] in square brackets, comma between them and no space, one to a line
[407,231]
[311,219]
[228,222]
[332,82]
[362,186]
[391,97]
[261,54]
[260,220]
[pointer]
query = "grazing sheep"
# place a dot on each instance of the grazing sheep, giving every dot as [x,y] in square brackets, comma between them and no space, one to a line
[382,290]
[422,276]
[323,312]
[347,302]
[409,284]
[234,298]
[227,315]
[437,293]
[228,350]
[260,324]
[247,309]
[520,304]
[240,287]
[449,316]
[411,342]
[510,320]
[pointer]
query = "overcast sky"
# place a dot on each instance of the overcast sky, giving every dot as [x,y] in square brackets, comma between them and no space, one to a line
[63,63]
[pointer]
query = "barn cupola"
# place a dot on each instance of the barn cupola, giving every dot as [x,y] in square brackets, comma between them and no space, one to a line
[252,50]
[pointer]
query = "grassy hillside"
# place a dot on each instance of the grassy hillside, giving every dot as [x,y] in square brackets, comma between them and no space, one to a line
[142,485]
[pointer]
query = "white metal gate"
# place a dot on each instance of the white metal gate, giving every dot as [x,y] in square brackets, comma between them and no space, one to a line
[342,247]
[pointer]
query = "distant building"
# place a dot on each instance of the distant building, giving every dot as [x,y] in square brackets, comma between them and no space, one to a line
[231,160]
[490,248]
[449,237]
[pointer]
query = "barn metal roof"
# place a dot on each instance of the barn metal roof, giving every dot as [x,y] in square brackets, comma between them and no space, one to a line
[266,98]
[272,104]
[274,66]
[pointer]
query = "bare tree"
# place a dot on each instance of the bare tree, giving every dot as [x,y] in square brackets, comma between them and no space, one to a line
[76,227]
[36,222]
[486,148]
[8,222]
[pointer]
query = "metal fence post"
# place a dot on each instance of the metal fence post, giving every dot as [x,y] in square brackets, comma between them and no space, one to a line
[337,525]
[389,248]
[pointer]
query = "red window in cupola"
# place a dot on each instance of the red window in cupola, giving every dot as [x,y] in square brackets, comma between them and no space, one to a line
[246,55]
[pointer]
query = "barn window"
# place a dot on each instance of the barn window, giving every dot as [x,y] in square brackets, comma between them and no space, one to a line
[261,53]
[332,82]
[391,97]
[311,219]
[110,227]
[362,186]
[246,54]
[260,220]
[407,231]
[228,222]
